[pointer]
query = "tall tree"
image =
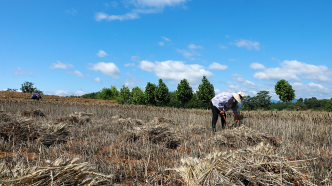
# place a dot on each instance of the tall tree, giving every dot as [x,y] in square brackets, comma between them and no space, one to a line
[328,106]
[125,93]
[161,93]
[184,92]
[105,94]
[149,94]
[205,91]
[285,91]
[27,87]
[138,96]
[263,99]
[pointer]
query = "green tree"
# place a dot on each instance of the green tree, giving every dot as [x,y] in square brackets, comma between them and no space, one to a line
[125,93]
[105,94]
[184,92]
[115,91]
[263,100]
[300,100]
[11,90]
[138,96]
[249,103]
[285,91]
[205,91]
[149,94]
[162,93]
[92,95]
[328,106]
[27,87]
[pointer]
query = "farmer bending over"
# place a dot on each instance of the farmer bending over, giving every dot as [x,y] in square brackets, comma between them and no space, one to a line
[35,97]
[223,102]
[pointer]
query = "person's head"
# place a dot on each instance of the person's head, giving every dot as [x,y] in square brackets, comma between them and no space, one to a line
[238,97]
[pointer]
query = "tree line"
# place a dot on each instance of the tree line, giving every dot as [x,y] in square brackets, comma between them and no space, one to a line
[159,95]
[185,97]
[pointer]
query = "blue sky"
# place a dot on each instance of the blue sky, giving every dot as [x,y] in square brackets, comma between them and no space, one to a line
[77,47]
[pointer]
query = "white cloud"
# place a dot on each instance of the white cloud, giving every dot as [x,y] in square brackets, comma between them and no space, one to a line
[141,7]
[248,44]
[135,58]
[76,73]
[60,65]
[97,79]
[222,46]
[175,71]
[102,53]
[295,70]
[131,81]
[161,43]
[21,72]
[65,93]
[129,65]
[166,39]
[257,66]
[186,54]
[308,90]
[109,69]
[217,66]
[193,46]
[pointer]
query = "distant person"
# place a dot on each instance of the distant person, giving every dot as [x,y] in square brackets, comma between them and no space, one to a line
[35,97]
[223,102]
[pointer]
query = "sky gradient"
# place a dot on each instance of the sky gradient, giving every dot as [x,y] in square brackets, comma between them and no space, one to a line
[78,47]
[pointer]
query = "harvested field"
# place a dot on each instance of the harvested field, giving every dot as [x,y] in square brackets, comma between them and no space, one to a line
[139,145]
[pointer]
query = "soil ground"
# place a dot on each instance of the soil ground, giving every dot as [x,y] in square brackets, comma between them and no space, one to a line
[20,95]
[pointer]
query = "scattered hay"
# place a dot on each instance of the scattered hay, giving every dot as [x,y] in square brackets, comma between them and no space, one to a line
[60,172]
[54,133]
[33,113]
[243,136]
[4,117]
[78,117]
[252,166]
[198,129]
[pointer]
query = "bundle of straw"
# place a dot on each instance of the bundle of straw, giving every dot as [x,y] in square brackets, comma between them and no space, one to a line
[60,172]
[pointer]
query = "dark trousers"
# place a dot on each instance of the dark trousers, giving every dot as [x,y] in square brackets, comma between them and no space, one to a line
[215,113]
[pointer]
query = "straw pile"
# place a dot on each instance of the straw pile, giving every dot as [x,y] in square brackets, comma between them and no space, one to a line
[78,117]
[159,130]
[23,129]
[243,136]
[33,113]
[59,172]
[251,166]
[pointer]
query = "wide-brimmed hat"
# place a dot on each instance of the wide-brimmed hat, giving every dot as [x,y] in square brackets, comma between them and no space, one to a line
[239,97]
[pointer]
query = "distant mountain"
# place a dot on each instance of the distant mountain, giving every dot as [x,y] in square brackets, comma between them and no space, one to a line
[276,101]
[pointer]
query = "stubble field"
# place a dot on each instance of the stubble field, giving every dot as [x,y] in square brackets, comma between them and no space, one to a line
[70,143]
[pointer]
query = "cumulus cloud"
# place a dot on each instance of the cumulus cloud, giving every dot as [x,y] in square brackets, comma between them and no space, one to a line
[175,71]
[135,58]
[257,66]
[237,74]
[97,79]
[186,54]
[296,71]
[102,53]
[161,43]
[131,81]
[109,69]
[193,46]
[308,90]
[248,44]
[217,66]
[60,65]
[76,73]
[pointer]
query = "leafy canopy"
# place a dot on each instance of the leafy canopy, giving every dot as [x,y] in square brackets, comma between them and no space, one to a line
[184,92]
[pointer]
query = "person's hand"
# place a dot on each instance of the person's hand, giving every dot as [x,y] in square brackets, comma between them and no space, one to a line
[222,112]
[236,121]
